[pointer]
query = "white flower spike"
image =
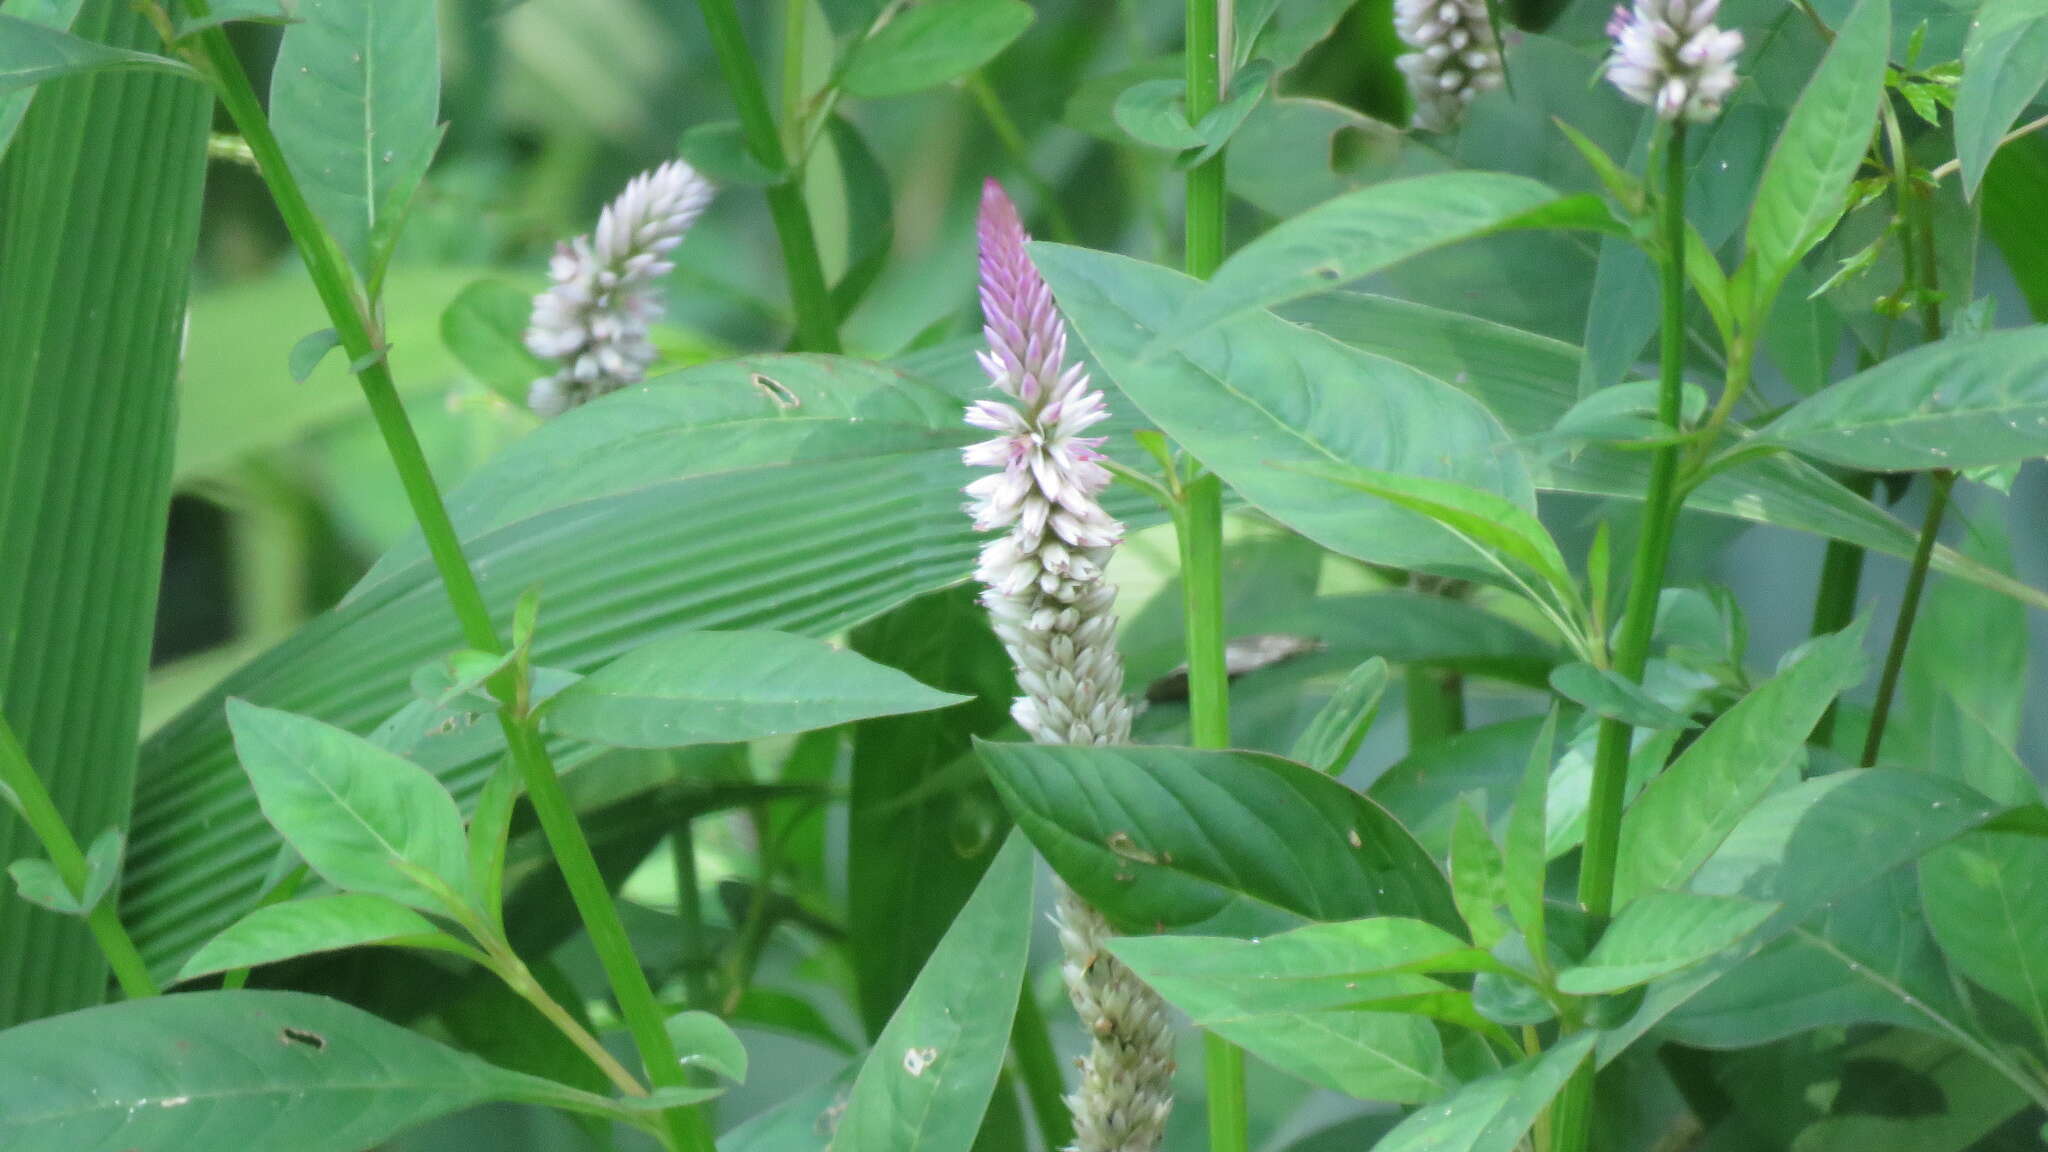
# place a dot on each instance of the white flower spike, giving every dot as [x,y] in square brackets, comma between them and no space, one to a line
[1669,55]
[594,318]
[1455,57]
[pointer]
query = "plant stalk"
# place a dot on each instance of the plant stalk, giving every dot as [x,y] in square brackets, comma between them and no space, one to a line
[690,914]
[18,779]
[687,1127]
[817,326]
[1834,601]
[1573,1113]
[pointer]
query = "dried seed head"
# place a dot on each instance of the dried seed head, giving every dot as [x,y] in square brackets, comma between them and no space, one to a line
[594,318]
[1454,57]
[1669,55]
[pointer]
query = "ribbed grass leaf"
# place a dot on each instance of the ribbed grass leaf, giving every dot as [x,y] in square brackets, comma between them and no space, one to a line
[99,209]
[236,1070]
[353,97]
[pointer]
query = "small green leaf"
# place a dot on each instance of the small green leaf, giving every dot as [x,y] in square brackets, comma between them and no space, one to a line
[726,687]
[2005,64]
[310,350]
[927,1081]
[929,44]
[489,826]
[720,151]
[483,328]
[1956,403]
[353,97]
[102,867]
[1524,862]
[1494,1113]
[277,932]
[1332,738]
[354,811]
[1807,177]
[32,52]
[1605,693]
[703,1040]
[1476,881]
[1660,933]
[36,881]
[1155,114]
[1683,815]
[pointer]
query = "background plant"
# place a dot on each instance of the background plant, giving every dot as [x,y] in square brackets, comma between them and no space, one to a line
[647,775]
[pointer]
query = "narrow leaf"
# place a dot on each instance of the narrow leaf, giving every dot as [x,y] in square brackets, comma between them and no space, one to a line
[1660,933]
[726,687]
[1494,1113]
[318,924]
[1524,861]
[2005,63]
[1332,738]
[32,52]
[52,14]
[1604,693]
[1476,882]
[929,44]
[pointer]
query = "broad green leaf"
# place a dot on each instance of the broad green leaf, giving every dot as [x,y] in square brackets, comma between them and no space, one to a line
[483,327]
[728,687]
[1530,382]
[1986,897]
[1658,934]
[1956,403]
[32,52]
[240,1070]
[1683,816]
[1604,692]
[1359,233]
[1524,861]
[1396,1057]
[913,856]
[1238,841]
[2016,181]
[317,924]
[2005,63]
[1920,1094]
[1492,1114]
[1332,738]
[56,14]
[1805,182]
[929,44]
[703,1040]
[926,1083]
[353,97]
[1476,880]
[100,196]
[353,810]
[1256,399]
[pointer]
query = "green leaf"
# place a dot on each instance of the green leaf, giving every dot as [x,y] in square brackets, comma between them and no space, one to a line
[1956,403]
[353,810]
[927,1081]
[1237,841]
[703,1040]
[726,687]
[1805,182]
[1476,880]
[32,52]
[1359,233]
[1332,738]
[353,98]
[870,212]
[913,855]
[1658,934]
[1603,692]
[1388,1056]
[2005,63]
[36,881]
[1258,392]
[241,1070]
[99,211]
[1986,897]
[221,12]
[1683,816]
[1155,114]
[309,351]
[482,327]
[1524,862]
[720,150]
[56,14]
[1494,1113]
[318,924]
[929,44]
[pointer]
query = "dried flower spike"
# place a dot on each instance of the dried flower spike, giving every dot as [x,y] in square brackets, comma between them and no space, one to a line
[1455,57]
[594,318]
[1669,55]
[1055,613]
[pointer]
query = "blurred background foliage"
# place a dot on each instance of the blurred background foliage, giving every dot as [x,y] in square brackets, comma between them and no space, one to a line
[284,498]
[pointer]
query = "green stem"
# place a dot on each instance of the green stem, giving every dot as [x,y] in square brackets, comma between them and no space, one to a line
[19,780]
[817,328]
[1573,1113]
[1834,601]
[1435,704]
[1201,559]
[690,914]
[1039,1067]
[1909,608]
[1223,1073]
[1204,78]
[687,1127]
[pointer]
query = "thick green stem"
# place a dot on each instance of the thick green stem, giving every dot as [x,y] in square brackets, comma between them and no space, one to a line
[1834,601]
[1572,1116]
[1909,608]
[1204,76]
[817,328]
[18,779]
[1039,1067]
[1223,1074]
[687,1127]
[1201,559]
